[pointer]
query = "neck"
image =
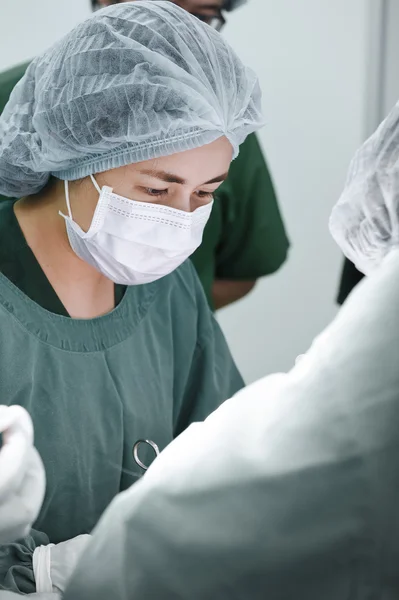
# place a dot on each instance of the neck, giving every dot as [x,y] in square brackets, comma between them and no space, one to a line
[39,216]
[77,283]
[39,219]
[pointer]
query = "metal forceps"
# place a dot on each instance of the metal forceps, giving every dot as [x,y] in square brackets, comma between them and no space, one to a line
[136,452]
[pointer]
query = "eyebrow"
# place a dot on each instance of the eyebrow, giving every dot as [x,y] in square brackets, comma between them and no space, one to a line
[171,178]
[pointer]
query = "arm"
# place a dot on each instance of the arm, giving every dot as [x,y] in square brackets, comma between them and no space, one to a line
[253,242]
[22,485]
[16,565]
[227,292]
[24,564]
[287,491]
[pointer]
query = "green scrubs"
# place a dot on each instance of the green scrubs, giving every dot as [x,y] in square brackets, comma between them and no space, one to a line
[245,237]
[349,279]
[93,388]
[19,265]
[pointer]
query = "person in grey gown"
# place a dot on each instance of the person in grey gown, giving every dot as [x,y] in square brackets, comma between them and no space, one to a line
[291,488]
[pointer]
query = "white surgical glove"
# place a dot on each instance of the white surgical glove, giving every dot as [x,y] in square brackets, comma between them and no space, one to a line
[53,564]
[22,478]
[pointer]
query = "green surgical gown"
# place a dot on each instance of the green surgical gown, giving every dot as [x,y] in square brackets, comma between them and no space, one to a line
[148,369]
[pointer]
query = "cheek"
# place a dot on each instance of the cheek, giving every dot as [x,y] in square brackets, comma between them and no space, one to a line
[84,200]
[84,214]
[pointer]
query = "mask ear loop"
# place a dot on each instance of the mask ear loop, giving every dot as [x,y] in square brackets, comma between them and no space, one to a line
[67,200]
[95,184]
[68,203]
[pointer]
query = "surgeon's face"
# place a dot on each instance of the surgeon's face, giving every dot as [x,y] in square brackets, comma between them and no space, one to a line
[185,181]
[209,11]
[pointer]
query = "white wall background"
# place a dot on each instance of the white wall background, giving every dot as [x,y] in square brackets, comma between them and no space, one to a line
[390,67]
[311,56]
[29,27]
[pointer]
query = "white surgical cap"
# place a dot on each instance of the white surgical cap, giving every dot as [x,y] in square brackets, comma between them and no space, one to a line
[365,221]
[133,82]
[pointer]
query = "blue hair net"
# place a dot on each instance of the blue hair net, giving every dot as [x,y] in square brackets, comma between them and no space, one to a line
[133,82]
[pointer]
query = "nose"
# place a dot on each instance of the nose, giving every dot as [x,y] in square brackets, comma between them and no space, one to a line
[183,200]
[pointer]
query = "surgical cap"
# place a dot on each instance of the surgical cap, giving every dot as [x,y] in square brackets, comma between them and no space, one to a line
[365,221]
[133,82]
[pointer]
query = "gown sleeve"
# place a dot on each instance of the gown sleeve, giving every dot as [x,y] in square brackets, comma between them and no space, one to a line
[16,567]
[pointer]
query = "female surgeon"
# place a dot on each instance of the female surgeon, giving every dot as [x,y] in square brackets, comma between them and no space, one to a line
[114,142]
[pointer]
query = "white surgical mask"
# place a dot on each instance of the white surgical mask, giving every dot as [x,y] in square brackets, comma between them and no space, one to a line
[131,242]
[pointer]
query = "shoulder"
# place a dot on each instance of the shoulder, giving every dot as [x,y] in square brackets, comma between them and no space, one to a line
[6,217]
[250,154]
[251,143]
[8,80]
[182,295]
[13,75]
[249,175]
[184,285]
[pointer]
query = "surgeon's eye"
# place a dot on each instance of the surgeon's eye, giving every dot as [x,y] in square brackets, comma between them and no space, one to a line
[205,195]
[155,193]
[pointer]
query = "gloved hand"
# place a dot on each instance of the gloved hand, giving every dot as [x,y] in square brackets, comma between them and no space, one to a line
[53,564]
[22,478]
